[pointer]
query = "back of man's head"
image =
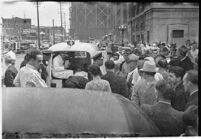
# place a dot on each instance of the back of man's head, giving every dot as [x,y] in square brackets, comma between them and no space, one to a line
[109,64]
[183,50]
[164,90]
[162,63]
[26,57]
[178,71]
[33,54]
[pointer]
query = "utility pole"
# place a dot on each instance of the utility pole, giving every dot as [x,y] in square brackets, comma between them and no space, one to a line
[53,32]
[61,22]
[38,25]
[64,25]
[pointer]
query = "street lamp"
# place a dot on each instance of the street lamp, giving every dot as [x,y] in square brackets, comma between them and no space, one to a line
[122,28]
[110,36]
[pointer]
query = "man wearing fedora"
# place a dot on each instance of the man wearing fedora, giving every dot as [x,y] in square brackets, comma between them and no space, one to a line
[144,90]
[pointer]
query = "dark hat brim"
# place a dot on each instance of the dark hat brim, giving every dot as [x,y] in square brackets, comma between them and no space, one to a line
[97,56]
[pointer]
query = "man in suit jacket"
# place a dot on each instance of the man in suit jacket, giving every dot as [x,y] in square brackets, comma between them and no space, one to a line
[118,84]
[182,59]
[11,71]
[180,96]
[168,120]
[190,82]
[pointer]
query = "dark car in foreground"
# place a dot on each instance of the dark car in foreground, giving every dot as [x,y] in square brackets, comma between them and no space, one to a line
[54,112]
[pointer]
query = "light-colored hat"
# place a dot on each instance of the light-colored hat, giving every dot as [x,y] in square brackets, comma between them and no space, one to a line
[149,67]
[10,56]
[151,59]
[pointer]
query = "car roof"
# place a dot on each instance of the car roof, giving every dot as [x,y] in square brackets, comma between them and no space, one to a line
[78,46]
[53,110]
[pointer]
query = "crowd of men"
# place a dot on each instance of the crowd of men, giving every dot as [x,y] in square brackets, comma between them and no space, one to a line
[164,84]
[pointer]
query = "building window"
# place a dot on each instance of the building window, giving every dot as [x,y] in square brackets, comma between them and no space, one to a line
[142,27]
[177,33]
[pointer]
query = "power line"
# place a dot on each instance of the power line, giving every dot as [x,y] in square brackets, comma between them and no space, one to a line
[38,25]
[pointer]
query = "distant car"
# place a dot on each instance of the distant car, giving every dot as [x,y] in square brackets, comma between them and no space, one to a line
[58,112]
[45,45]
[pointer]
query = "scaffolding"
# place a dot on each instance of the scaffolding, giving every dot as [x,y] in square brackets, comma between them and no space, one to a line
[91,20]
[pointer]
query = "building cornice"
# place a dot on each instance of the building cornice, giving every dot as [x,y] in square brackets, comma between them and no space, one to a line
[150,9]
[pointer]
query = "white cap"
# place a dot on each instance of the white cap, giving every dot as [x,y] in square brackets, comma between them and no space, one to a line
[10,56]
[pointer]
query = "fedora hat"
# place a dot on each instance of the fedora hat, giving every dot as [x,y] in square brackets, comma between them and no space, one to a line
[149,67]
[151,59]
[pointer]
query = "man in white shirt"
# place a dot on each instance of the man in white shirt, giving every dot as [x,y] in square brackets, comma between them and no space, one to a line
[134,76]
[60,67]
[117,58]
[29,76]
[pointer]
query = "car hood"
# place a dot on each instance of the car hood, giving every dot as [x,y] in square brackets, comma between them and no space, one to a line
[74,111]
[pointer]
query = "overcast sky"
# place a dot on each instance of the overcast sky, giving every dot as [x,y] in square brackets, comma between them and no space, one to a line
[47,12]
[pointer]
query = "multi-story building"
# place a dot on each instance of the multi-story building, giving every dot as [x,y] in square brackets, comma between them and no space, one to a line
[21,31]
[12,28]
[91,20]
[169,22]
